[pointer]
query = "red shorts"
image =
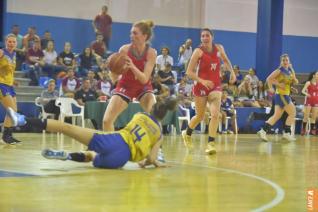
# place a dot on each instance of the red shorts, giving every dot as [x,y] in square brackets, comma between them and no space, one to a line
[313,102]
[200,90]
[131,91]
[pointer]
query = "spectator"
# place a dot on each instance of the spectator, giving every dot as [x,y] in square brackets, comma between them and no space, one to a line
[160,90]
[20,52]
[253,80]
[34,61]
[87,60]
[185,52]
[91,78]
[46,38]
[98,46]
[48,98]
[86,93]
[30,38]
[163,59]
[227,109]
[103,25]
[50,60]
[67,58]
[70,84]
[104,85]
[167,78]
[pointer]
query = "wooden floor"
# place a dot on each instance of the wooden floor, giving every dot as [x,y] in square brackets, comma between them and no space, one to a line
[246,174]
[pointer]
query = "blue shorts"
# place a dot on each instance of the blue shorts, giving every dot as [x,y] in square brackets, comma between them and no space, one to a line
[282,100]
[112,151]
[6,90]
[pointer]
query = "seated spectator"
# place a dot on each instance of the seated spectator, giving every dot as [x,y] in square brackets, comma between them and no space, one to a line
[239,78]
[163,59]
[160,90]
[70,84]
[167,78]
[227,109]
[91,78]
[225,77]
[98,46]
[245,87]
[264,97]
[104,85]
[34,61]
[67,58]
[48,98]
[253,80]
[85,94]
[30,38]
[46,38]
[184,93]
[50,61]
[20,51]
[87,61]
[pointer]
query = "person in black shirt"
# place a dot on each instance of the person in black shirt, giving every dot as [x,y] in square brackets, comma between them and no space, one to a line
[85,94]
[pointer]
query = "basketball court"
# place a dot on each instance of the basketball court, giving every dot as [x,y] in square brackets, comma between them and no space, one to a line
[245,175]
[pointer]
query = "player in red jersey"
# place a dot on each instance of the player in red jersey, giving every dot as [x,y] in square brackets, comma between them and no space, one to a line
[135,83]
[204,69]
[310,90]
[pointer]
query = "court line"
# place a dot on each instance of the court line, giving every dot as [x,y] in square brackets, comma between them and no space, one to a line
[280,193]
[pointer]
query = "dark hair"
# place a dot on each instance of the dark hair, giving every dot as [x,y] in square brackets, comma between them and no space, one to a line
[208,30]
[167,48]
[311,75]
[160,109]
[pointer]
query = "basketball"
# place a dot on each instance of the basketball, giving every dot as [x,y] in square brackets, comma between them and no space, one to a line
[116,63]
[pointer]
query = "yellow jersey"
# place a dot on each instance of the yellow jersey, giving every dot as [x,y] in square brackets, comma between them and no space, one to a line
[7,67]
[284,77]
[141,134]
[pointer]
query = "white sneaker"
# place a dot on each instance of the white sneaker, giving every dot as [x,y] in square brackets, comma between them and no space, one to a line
[210,148]
[288,137]
[262,135]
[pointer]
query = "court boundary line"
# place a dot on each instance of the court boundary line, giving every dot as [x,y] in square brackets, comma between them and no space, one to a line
[280,193]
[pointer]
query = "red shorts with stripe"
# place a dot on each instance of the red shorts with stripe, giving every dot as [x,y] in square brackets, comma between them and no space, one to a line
[313,102]
[130,92]
[201,91]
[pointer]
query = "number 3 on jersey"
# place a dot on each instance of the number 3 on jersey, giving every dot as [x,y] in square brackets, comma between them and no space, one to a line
[136,133]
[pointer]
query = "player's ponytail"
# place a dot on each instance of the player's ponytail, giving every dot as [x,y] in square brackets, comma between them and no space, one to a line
[160,109]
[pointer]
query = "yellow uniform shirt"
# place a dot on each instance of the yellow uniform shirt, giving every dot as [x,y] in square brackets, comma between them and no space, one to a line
[141,134]
[284,77]
[7,67]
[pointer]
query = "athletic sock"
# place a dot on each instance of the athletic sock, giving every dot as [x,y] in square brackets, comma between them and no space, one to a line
[77,156]
[287,129]
[189,131]
[211,139]
[37,123]
[267,127]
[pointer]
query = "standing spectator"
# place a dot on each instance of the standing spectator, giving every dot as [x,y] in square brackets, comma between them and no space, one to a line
[34,61]
[185,52]
[67,58]
[163,59]
[103,25]
[48,98]
[70,84]
[98,46]
[20,52]
[46,38]
[30,37]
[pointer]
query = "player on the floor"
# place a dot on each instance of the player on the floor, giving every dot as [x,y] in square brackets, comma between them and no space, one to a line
[139,141]
[7,93]
[282,78]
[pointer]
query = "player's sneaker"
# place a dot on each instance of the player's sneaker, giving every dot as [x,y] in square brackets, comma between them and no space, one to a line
[187,140]
[54,154]
[17,119]
[9,139]
[210,148]
[262,135]
[160,156]
[288,137]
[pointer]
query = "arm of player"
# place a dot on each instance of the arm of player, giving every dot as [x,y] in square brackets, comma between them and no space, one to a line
[305,89]
[272,79]
[227,63]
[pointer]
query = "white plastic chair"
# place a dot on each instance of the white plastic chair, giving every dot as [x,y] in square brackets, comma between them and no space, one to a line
[186,117]
[70,108]
[44,115]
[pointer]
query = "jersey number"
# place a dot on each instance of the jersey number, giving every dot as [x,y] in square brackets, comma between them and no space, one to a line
[136,133]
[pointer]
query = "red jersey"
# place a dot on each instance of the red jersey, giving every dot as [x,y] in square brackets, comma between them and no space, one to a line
[312,90]
[208,69]
[128,85]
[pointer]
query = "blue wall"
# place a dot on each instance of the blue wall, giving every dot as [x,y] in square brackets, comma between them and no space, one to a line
[240,46]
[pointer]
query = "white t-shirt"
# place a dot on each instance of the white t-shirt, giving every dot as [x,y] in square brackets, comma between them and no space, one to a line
[163,60]
[49,57]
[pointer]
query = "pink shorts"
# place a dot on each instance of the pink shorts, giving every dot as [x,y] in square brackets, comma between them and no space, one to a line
[130,92]
[201,91]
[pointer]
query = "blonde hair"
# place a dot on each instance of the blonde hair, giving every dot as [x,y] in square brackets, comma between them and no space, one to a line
[11,35]
[146,27]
